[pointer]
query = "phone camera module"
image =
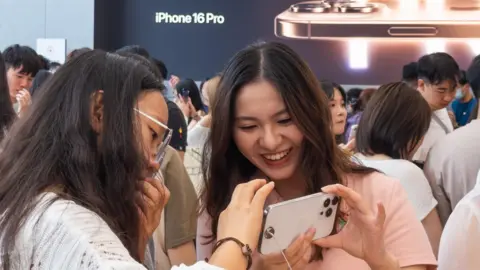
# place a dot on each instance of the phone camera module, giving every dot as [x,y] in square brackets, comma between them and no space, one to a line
[329,212]
[335,201]
[269,233]
[311,7]
[358,8]
[326,203]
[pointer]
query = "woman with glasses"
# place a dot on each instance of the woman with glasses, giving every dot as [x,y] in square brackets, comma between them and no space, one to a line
[79,188]
[271,119]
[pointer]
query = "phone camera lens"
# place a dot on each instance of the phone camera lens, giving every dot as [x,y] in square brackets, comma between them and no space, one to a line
[335,201]
[329,212]
[326,203]
[269,233]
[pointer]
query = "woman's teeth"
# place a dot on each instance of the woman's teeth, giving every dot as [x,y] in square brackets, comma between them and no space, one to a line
[277,156]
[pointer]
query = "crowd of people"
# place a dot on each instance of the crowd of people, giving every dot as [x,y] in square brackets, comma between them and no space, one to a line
[109,162]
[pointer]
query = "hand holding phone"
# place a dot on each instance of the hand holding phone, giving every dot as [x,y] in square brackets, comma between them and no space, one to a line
[284,222]
[296,256]
[363,234]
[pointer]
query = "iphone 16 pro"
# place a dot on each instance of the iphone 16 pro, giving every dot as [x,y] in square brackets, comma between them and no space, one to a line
[380,19]
[285,221]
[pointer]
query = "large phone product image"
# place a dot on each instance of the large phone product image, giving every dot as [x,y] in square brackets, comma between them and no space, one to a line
[380,19]
[285,221]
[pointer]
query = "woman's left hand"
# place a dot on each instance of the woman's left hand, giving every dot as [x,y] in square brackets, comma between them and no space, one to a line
[363,235]
[151,198]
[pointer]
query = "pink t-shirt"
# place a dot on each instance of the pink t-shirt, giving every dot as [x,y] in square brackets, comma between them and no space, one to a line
[405,237]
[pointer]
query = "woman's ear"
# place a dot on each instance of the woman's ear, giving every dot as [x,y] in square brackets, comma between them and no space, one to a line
[96,111]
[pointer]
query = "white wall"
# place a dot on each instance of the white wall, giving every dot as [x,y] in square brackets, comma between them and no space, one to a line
[23,21]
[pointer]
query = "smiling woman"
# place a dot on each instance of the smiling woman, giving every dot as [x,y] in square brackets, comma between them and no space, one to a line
[270,119]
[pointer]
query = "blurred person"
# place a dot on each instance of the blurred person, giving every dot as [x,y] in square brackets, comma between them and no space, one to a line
[356,113]
[437,82]
[392,127]
[169,92]
[189,100]
[337,96]
[77,162]
[198,136]
[454,160]
[77,52]
[410,74]
[54,66]
[22,64]
[45,62]
[271,119]
[7,114]
[39,80]
[353,95]
[174,238]
[464,102]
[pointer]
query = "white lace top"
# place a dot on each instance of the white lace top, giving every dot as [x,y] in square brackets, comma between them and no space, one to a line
[66,235]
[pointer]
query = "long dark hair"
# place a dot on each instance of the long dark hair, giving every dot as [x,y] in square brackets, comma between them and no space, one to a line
[393,122]
[224,166]
[7,113]
[55,145]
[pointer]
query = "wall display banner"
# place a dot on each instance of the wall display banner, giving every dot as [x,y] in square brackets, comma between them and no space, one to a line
[347,41]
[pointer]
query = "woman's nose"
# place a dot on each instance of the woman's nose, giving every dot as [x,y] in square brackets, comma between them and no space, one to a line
[270,139]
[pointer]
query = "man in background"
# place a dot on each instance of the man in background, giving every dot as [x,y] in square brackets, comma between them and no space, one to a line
[454,160]
[456,176]
[22,64]
[464,102]
[437,83]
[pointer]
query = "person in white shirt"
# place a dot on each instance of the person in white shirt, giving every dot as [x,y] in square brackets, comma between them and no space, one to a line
[461,236]
[437,82]
[391,128]
[454,160]
[198,134]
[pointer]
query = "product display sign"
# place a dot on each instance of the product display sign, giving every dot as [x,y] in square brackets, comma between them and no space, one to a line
[347,41]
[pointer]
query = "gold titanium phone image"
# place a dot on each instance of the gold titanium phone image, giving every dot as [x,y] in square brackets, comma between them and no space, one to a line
[285,221]
[380,19]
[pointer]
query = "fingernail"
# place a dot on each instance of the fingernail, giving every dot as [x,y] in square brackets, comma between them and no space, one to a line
[311,231]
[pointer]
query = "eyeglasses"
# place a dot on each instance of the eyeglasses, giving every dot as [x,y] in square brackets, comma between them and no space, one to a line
[166,140]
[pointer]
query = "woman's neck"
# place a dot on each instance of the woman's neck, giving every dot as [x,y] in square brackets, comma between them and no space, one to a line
[292,187]
[374,157]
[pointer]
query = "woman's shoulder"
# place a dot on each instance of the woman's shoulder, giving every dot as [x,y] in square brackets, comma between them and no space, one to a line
[397,168]
[374,186]
[56,225]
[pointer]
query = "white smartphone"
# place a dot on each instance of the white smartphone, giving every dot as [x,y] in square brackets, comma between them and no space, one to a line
[380,19]
[284,222]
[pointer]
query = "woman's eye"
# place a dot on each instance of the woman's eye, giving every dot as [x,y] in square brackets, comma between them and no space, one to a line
[247,127]
[285,121]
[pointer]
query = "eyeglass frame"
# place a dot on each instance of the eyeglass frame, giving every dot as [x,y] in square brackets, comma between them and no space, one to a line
[160,155]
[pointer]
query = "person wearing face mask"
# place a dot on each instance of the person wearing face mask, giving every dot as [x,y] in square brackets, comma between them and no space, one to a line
[464,102]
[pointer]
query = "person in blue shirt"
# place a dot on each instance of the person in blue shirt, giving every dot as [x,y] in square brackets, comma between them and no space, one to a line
[464,101]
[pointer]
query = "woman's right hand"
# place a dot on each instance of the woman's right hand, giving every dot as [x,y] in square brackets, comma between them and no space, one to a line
[242,219]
